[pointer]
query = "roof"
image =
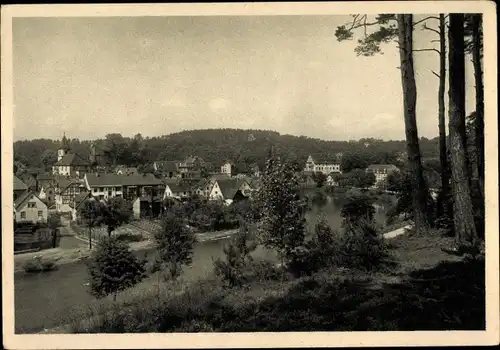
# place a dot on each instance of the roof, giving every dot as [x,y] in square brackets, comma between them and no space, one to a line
[217,177]
[167,166]
[336,159]
[79,199]
[122,180]
[229,187]
[19,185]
[379,167]
[23,198]
[126,170]
[72,159]
[177,187]
[64,183]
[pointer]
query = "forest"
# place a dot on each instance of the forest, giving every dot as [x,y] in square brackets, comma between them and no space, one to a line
[242,147]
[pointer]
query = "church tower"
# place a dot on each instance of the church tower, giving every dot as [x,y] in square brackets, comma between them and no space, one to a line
[64,149]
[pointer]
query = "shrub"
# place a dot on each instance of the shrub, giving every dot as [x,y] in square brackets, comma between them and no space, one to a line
[361,247]
[234,269]
[114,268]
[33,266]
[37,264]
[129,237]
[175,244]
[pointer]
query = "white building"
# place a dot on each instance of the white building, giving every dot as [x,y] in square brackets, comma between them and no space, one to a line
[325,167]
[226,169]
[381,171]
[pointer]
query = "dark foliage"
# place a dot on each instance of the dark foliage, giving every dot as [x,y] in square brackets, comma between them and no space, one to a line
[113,268]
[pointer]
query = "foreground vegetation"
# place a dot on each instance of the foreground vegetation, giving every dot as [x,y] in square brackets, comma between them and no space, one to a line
[423,295]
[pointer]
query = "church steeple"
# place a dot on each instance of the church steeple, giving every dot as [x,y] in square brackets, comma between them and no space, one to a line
[64,148]
[65,143]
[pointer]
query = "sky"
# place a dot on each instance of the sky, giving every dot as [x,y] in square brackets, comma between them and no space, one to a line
[87,77]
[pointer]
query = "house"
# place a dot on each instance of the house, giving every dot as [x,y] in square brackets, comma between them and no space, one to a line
[145,206]
[124,170]
[104,186]
[77,203]
[19,187]
[69,163]
[178,189]
[191,167]
[331,179]
[30,208]
[255,170]
[65,192]
[226,189]
[230,190]
[381,171]
[168,168]
[226,168]
[324,166]
[203,188]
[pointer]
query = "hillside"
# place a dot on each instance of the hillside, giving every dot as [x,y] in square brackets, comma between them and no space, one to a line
[217,145]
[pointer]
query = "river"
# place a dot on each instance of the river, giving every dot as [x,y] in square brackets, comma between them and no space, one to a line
[43,300]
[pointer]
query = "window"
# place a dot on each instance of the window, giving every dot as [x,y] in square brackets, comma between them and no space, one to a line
[23,215]
[109,193]
[31,205]
[95,190]
[40,214]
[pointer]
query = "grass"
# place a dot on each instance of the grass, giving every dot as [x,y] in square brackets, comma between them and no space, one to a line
[426,289]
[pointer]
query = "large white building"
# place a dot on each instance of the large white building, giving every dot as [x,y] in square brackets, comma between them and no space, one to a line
[325,167]
[381,171]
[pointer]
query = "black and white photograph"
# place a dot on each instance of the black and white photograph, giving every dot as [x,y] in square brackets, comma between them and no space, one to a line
[245,175]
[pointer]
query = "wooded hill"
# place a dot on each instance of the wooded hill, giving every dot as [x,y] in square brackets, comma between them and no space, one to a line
[242,147]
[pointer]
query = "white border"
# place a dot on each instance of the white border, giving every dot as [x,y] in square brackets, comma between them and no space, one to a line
[257,340]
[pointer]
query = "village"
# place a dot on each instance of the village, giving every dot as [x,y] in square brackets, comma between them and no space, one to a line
[75,180]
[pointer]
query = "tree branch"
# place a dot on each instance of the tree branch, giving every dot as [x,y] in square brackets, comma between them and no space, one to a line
[437,75]
[431,29]
[421,50]
[425,19]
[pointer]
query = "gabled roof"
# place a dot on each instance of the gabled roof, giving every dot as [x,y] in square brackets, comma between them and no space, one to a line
[230,187]
[19,185]
[122,180]
[79,199]
[72,159]
[23,198]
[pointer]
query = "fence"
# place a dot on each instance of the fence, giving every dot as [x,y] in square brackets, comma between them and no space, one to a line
[37,240]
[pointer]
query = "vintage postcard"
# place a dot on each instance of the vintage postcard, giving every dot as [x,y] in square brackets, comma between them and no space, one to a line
[250,175]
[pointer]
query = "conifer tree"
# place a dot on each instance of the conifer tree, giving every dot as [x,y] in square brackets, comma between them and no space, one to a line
[114,268]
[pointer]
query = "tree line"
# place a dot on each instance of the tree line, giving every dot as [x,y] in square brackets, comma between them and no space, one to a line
[217,146]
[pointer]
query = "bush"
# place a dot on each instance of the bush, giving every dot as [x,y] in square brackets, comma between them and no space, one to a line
[114,268]
[234,270]
[361,247]
[38,265]
[129,237]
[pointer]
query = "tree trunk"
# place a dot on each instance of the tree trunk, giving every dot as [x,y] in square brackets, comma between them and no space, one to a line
[419,188]
[463,219]
[90,237]
[478,77]
[443,156]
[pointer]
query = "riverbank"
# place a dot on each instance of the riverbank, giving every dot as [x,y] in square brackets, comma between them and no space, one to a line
[70,256]
[382,300]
